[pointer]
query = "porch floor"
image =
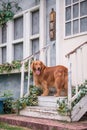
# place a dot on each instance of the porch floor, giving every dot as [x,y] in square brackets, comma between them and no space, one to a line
[42,124]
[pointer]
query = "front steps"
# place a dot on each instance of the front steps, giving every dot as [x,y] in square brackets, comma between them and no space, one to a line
[44,112]
[47,109]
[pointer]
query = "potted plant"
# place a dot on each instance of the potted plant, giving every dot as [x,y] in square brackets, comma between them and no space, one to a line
[6,102]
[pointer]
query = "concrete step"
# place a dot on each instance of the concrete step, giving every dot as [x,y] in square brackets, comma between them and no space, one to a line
[49,101]
[44,112]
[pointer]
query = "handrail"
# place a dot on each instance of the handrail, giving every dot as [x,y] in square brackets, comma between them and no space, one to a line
[71,97]
[73,51]
[32,55]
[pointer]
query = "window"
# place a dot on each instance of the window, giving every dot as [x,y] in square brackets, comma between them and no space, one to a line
[18,51]
[4,54]
[4,34]
[19,38]
[18,41]
[35,22]
[35,32]
[3,47]
[75,17]
[18,28]
[35,47]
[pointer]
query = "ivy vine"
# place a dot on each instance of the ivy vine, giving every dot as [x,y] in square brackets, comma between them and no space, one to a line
[15,65]
[7,11]
[63,108]
[7,67]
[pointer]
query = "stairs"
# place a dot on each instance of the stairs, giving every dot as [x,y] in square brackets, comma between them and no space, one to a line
[47,109]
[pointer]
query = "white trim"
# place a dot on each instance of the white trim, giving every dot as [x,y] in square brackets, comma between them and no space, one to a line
[26,11]
[9,41]
[35,8]
[17,41]
[76,35]
[34,36]
[0,35]
[58,31]
[27,31]
[42,16]
[3,45]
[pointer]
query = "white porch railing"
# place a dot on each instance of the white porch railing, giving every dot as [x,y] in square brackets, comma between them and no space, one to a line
[77,57]
[46,52]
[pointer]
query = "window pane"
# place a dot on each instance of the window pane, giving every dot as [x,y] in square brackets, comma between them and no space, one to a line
[4,55]
[68,29]
[83,8]
[4,34]
[75,26]
[75,1]
[18,28]
[35,47]
[75,10]
[68,13]
[18,51]
[67,2]
[83,24]
[35,22]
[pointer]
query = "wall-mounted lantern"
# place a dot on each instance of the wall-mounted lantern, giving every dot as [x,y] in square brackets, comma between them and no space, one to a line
[52,25]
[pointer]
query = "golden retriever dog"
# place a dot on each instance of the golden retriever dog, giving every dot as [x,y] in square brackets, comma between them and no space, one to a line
[46,77]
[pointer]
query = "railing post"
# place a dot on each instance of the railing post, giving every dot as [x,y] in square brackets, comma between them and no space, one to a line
[48,56]
[22,80]
[28,78]
[69,83]
[82,64]
[76,72]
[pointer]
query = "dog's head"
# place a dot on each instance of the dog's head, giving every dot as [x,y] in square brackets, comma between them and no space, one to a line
[37,67]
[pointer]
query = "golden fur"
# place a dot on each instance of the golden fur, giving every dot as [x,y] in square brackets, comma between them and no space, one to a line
[46,77]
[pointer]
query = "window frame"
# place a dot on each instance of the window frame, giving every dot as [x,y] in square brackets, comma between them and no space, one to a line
[72,20]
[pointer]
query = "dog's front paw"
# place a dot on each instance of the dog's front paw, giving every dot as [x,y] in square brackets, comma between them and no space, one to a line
[56,95]
[44,94]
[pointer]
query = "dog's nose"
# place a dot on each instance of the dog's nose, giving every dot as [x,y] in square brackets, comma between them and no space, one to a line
[39,68]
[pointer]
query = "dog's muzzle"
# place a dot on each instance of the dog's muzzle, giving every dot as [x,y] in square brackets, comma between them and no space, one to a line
[38,71]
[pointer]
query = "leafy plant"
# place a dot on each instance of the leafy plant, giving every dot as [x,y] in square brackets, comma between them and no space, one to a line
[31,100]
[83,92]
[7,67]
[7,102]
[7,11]
[15,65]
[63,107]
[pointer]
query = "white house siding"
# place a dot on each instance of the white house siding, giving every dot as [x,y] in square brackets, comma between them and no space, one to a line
[67,44]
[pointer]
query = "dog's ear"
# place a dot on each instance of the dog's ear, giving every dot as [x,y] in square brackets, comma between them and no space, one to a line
[32,65]
[42,65]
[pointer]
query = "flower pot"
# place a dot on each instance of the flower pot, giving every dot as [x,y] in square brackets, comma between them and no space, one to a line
[2,99]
